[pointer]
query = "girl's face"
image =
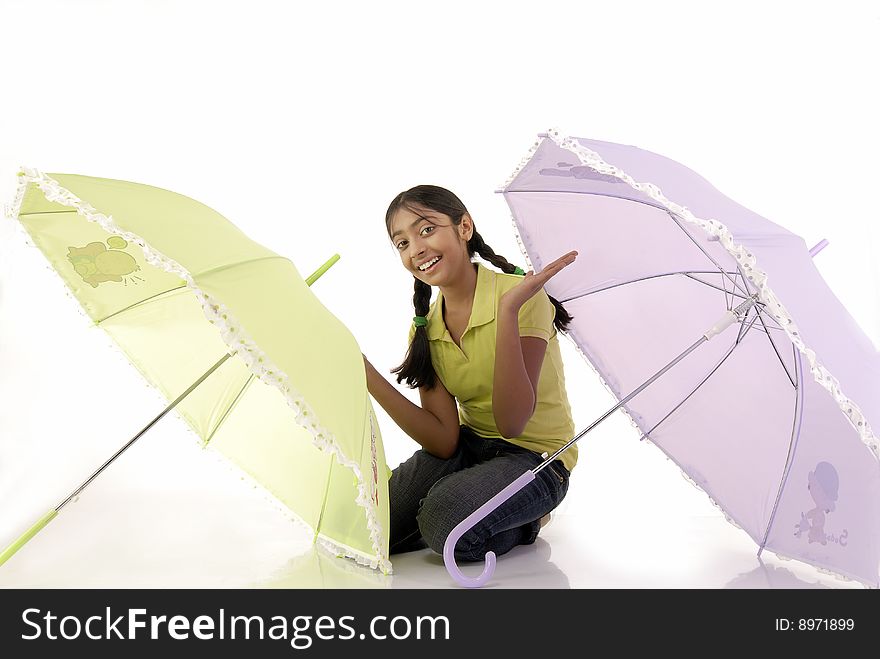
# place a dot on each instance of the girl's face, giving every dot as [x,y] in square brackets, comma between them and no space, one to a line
[431,247]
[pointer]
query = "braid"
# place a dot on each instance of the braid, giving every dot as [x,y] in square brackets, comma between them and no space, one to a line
[417,368]
[479,246]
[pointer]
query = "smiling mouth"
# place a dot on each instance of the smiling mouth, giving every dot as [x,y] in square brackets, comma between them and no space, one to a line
[429,265]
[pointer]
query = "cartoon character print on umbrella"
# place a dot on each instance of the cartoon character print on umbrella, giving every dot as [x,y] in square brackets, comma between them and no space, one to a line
[822,484]
[96,264]
[577,171]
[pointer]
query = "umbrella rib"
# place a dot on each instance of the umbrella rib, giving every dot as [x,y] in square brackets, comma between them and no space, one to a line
[227,266]
[682,402]
[229,409]
[744,280]
[323,502]
[775,326]
[759,307]
[766,328]
[763,330]
[732,294]
[743,330]
[745,284]
[717,366]
[709,375]
[139,303]
[184,285]
[66,210]
[700,247]
[776,350]
[761,314]
[687,273]
[742,326]
[728,303]
[792,443]
[668,212]
[623,283]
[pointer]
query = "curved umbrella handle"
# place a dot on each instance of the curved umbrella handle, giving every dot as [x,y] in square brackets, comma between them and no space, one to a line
[468,523]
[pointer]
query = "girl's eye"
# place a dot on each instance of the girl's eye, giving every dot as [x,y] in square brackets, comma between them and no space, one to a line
[403,243]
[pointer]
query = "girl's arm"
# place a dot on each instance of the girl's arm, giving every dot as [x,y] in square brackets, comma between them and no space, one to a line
[434,425]
[518,360]
[518,363]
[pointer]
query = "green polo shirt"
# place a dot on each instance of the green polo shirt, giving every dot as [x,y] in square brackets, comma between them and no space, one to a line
[467,372]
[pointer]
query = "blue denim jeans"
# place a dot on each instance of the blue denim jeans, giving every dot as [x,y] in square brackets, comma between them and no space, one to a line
[430,496]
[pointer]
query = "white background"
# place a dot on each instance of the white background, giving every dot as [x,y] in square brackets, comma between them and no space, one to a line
[300,122]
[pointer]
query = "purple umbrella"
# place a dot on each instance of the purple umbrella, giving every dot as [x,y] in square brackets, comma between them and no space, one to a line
[765,383]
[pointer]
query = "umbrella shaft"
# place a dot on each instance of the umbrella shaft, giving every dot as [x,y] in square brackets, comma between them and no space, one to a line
[623,402]
[145,429]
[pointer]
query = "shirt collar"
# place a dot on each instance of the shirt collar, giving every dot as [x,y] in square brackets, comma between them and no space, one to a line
[482,312]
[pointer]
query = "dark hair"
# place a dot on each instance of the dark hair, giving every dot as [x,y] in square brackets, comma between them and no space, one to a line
[417,368]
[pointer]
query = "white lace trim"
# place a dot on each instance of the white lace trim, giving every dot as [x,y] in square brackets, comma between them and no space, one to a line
[522,163]
[749,265]
[239,343]
[13,209]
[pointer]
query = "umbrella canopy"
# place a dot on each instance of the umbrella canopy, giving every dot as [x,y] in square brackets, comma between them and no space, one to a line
[771,417]
[177,287]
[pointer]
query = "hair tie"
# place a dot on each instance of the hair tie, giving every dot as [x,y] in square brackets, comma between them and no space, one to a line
[420,321]
[518,271]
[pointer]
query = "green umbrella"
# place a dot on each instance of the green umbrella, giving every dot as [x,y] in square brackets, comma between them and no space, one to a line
[231,334]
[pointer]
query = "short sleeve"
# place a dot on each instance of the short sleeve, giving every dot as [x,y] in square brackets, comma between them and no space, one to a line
[536,317]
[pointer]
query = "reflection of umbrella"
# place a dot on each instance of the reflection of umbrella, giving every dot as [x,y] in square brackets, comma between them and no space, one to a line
[771,417]
[181,290]
[316,569]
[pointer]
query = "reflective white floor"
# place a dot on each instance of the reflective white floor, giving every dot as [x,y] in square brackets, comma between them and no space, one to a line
[162,541]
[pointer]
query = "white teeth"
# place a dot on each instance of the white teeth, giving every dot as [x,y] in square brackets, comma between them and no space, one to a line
[427,265]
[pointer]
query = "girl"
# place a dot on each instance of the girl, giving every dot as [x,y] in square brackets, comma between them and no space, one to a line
[487,343]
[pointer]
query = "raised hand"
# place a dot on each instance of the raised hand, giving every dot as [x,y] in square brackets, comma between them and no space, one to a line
[534,282]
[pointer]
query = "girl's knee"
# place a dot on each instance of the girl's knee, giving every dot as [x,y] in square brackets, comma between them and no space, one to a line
[439,514]
[430,519]
[435,518]
[470,547]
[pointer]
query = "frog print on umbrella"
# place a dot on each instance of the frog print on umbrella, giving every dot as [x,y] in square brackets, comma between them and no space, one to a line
[97,264]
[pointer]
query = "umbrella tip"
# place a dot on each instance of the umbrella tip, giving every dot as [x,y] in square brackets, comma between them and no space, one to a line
[818,247]
[543,134]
